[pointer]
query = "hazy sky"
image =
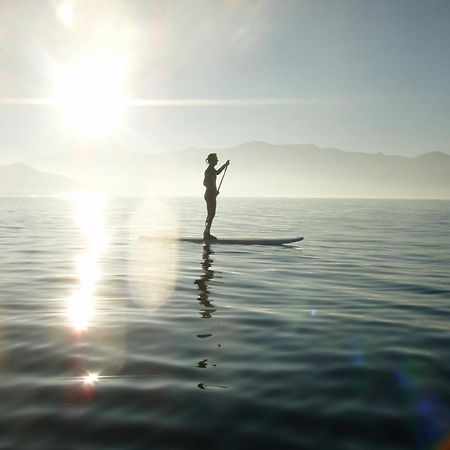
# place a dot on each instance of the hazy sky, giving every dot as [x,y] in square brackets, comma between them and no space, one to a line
[370,76]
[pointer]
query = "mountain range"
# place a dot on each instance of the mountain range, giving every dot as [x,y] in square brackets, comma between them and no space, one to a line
[256,169]
[22,179]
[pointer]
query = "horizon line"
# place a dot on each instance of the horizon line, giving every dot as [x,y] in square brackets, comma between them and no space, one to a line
[164,102]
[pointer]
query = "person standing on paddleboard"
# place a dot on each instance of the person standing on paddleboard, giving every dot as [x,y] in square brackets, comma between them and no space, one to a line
[211,192]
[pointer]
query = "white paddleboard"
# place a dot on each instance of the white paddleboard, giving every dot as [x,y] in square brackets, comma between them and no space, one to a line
[258,241]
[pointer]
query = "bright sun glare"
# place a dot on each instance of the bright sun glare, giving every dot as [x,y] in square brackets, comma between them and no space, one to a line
[92,94]
[90,378]
[65,13]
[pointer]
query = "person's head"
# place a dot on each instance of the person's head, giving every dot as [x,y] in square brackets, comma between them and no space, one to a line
[212,159]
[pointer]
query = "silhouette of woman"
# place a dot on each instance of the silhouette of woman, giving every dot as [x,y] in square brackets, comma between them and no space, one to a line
[211,193]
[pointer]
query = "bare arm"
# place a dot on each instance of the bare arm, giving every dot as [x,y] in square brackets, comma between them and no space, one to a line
[219,171]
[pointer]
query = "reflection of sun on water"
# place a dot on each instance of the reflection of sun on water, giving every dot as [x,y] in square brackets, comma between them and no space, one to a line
[89,216]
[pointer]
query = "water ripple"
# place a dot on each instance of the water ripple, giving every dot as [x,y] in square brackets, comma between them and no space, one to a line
[341,342]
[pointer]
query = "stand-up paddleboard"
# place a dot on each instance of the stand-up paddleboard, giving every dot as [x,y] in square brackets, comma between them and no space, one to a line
[260,241]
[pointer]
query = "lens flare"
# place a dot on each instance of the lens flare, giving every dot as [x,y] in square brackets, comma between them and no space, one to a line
[153,262]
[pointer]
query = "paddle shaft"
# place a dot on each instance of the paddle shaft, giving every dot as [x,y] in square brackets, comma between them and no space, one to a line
[223,176]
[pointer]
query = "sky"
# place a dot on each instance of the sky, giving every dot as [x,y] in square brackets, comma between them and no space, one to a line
[365,76]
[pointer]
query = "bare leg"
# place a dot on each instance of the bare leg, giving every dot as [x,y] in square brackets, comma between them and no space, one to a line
[211,208]
[207,231]
[207,236]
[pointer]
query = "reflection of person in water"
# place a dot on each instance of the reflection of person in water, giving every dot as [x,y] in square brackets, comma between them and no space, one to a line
[211,192]
[202,283]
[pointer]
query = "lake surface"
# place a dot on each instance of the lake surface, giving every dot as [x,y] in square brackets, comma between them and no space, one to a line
[110,342]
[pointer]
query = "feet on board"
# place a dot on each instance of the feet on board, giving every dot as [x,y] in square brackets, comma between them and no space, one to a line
[209,237]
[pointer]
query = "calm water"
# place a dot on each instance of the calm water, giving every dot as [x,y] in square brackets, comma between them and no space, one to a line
[110,342]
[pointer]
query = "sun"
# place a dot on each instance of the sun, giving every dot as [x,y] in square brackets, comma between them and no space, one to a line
[91,95]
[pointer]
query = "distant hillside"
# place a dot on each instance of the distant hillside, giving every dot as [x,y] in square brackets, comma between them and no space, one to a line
[21,179]
[259,169]
[112,168]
